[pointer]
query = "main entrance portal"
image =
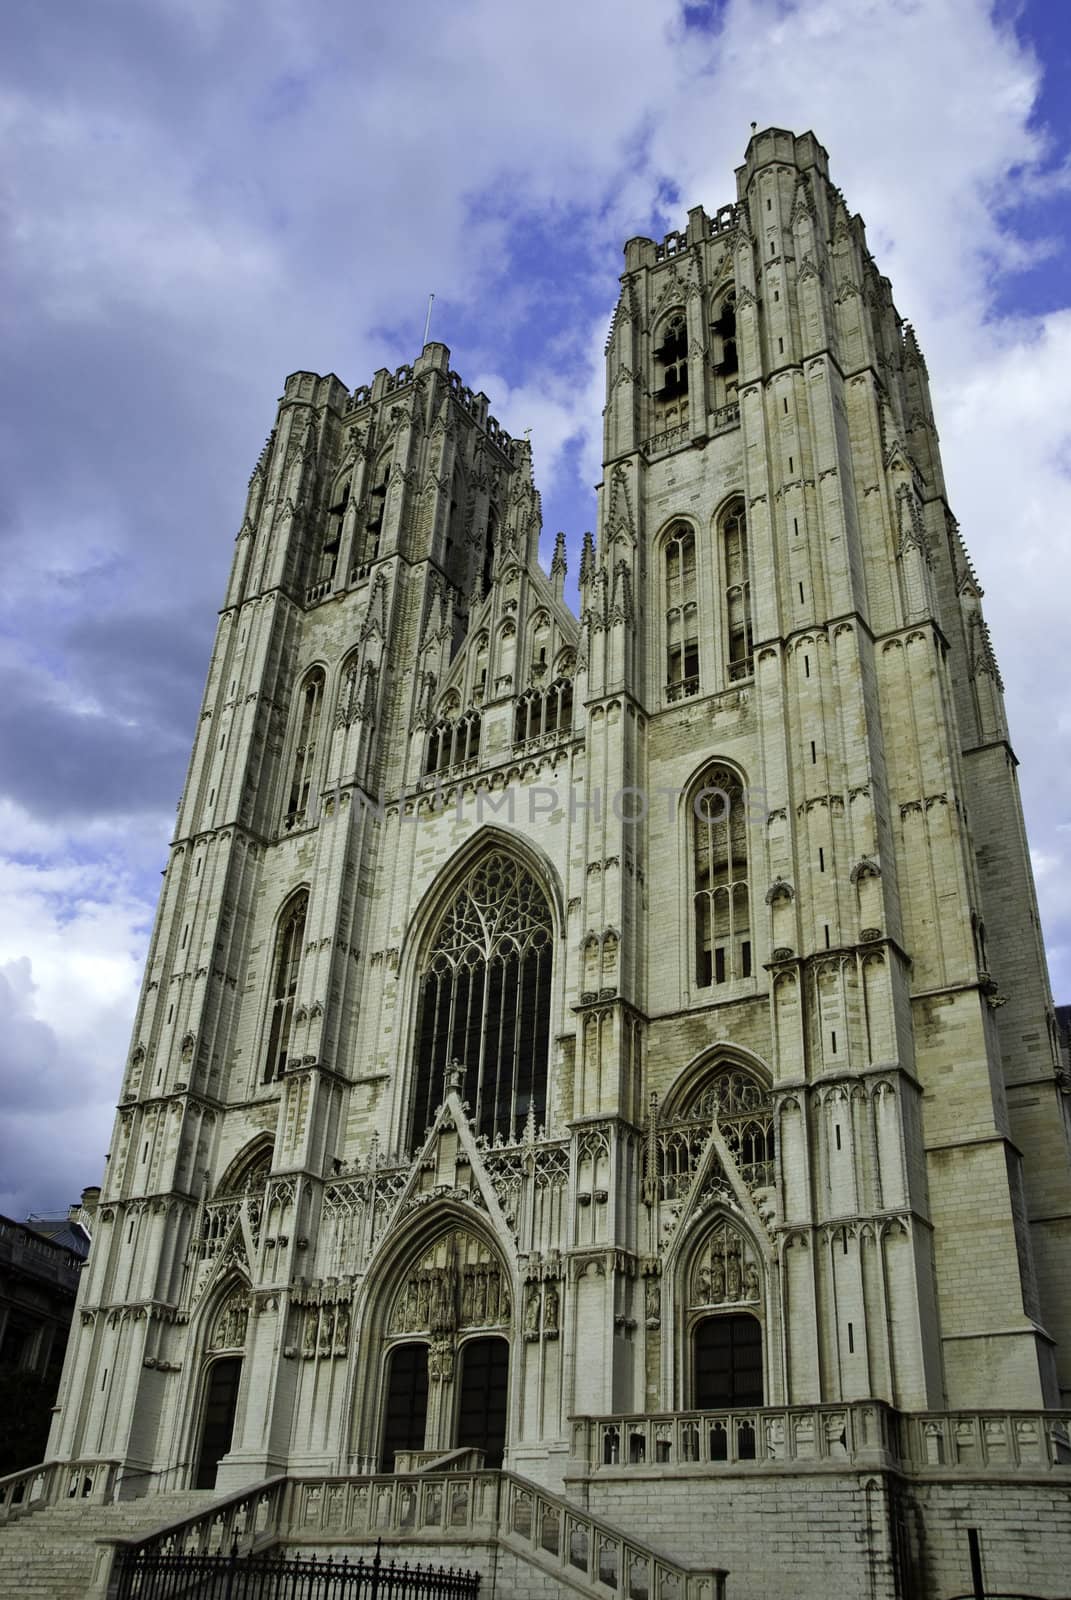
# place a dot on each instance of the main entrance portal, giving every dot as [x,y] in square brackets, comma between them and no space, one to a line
[221,1402]
[482,1403]
[728,1362]
[406,1417]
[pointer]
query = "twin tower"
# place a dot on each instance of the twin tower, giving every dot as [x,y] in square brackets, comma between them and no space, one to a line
[552,1018]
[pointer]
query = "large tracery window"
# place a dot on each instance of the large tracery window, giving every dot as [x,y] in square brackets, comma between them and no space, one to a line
[290,938]
[718,818]
[485,1001]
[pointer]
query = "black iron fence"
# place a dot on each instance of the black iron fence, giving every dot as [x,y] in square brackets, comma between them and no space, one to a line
[151,1575]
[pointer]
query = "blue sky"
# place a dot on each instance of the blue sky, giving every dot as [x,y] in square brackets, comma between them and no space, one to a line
[202,196]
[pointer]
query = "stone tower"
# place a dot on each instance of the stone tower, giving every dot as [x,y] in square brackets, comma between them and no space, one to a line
[555,1019]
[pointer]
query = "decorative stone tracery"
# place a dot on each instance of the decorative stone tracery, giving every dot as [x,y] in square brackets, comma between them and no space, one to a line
[457,1284]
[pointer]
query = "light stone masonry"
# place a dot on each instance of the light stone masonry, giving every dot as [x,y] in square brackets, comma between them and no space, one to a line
[636,1013]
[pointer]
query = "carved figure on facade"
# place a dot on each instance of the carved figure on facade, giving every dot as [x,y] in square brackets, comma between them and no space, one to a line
[551,1311]
[725,1271]
[458,1283]
[531,1312]
[232,1320]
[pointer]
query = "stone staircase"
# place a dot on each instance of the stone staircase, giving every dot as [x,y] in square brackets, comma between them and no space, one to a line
[49,1553]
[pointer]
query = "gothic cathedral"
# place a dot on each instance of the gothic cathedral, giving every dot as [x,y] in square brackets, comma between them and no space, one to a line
[558,1029]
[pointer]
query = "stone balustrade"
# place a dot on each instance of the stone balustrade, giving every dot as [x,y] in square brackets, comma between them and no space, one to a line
[468,1507]
[54,1482]
[863,1434]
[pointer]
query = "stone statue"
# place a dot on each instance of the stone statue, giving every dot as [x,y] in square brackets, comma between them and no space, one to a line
[733,1280]
[531,1312]
[551,1308]
[312,1322]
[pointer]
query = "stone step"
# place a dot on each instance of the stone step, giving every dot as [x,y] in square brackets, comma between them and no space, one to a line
[49,1553]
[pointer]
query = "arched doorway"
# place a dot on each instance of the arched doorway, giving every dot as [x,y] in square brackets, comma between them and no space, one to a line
[727,1362]
[405,1416]
[483,1398]
[446,1332]
[217,1423]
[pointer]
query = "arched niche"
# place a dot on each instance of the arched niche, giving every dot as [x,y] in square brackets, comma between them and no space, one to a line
[723,1319]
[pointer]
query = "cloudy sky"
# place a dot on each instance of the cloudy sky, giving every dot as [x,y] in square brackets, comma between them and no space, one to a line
[203,195]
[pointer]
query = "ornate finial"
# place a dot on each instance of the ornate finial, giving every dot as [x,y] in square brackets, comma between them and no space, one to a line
[587,559]
[558,564]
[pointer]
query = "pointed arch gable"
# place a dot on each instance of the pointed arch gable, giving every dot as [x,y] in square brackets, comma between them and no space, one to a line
[248,1160]
[703,1065]
[489,836]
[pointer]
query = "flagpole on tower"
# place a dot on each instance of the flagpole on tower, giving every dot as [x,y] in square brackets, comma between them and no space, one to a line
[427,319]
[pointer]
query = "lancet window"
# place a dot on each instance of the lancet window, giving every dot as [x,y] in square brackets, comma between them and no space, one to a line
[484,1000]
[721,900]
[736,569]
[672,358]
[336,516]
[310,710]
[452,743]
[288,946]
[681,612]
[726,362]
[377,500]
[541,712]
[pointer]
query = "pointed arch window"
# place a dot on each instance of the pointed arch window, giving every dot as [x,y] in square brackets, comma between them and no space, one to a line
[484,1001]
[538,713]
[721,899]
[672,357]
[736,571]
[681,612]
[452,743]
[455,522]
[336,516]
[302,771]
[289,942]
[377,500]
[489,544]
[726,362]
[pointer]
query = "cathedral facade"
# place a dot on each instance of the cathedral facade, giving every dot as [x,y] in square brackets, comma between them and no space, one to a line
[554,1017]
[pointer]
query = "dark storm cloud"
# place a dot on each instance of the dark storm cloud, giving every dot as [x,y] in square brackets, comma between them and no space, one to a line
[60,760]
